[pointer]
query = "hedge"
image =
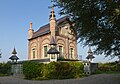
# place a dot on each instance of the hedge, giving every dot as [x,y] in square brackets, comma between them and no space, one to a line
[5,69]
[31,69]
[109,67]
[53,70]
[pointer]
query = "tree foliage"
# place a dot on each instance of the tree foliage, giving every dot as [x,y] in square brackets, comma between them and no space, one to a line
[96,23]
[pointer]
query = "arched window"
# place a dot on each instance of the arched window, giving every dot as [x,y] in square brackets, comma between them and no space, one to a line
[71,53]
[33,53]
[45,51]
[60,50]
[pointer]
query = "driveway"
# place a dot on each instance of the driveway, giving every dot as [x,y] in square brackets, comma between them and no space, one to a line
[93,79]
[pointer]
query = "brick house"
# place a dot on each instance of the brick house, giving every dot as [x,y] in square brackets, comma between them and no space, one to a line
[58,31]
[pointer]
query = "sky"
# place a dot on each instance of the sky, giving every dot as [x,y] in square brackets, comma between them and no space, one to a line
[15,16]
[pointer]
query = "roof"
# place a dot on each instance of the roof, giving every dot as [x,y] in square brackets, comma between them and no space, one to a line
[53,51]
[46,28]
[90,54]
[14,51]
[14,57]
[52,41]
[89,51]
[90,57]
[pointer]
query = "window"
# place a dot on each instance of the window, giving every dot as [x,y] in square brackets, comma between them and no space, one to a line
[60,49]
[71,52]
[52,56]
[60,30]
[33,52]
[45,51]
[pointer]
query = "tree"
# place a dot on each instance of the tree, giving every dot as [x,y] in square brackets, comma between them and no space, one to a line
[96,23]
[0,53]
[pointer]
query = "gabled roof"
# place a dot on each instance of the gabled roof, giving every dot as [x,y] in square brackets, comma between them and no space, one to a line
[46,28]
[53,51]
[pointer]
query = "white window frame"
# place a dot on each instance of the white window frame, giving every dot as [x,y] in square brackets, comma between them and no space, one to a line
[34,53]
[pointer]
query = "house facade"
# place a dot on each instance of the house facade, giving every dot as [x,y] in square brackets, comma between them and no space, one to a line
[60,31]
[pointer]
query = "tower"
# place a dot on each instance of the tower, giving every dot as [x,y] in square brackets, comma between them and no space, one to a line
[90,55]
[14,57]
[52,22]
[30,31]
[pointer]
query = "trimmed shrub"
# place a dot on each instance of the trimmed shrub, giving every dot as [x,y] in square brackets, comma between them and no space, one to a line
[5,69]
[62,70]
[77,69]
[53,70]
[32,70]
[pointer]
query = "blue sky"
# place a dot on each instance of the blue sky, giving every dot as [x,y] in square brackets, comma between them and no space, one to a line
[15,16]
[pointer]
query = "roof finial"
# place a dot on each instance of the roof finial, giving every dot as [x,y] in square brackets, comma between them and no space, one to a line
[30,25]
[52,12]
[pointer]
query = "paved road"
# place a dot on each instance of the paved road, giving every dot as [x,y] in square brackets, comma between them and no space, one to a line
[94,79]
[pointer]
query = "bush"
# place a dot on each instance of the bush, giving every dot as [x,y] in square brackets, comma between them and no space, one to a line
[53,70]
[62,70]
[109,67]
[5,69]
[77,69]
[32,70]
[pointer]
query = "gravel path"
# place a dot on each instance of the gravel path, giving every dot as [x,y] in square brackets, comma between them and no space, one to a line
[94,79]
